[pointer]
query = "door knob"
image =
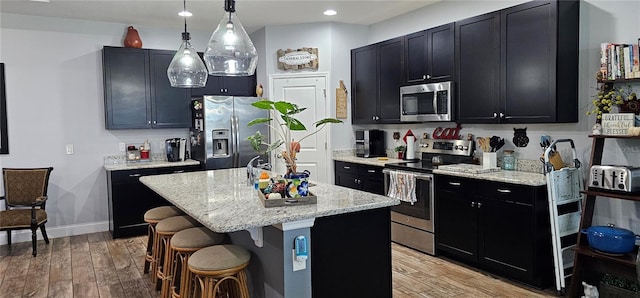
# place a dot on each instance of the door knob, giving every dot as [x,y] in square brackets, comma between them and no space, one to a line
[495,115]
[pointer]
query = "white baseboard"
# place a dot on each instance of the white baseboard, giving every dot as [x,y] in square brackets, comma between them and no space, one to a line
[56,232]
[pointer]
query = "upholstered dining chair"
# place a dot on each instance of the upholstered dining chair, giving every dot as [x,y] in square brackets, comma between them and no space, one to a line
[25,196]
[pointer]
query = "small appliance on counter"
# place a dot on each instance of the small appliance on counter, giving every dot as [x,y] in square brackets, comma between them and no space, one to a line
[620,178]
[175,149]
[370,143]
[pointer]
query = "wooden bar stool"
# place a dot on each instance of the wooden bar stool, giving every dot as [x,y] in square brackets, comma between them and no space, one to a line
[165,229]
[219,269]
[152,217]
[183,244]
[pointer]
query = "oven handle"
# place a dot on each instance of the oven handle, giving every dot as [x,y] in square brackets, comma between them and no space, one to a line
[419,176]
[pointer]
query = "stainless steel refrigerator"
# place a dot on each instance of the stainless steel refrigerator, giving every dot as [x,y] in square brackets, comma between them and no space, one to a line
[219,131]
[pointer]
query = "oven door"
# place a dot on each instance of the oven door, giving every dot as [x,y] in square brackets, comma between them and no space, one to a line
[423,207]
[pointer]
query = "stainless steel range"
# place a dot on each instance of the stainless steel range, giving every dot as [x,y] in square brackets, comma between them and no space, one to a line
[412,225]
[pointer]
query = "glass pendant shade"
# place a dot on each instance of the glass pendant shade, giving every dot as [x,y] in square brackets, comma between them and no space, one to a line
[230,51]
[186,69]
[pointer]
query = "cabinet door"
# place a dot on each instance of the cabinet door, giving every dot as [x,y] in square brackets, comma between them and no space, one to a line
[127,94]
[506,234]
[528,68]
[170,106]
[347,180]
[440,53]
[478,69]
[240,86]
[391,76]
[416,57]
[364,84]
[456,218]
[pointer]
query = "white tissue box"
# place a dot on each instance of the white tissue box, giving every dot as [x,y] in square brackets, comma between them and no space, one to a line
[489,160]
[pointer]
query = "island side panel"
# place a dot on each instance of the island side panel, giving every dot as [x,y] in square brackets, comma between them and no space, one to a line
[271,272]
[351,254]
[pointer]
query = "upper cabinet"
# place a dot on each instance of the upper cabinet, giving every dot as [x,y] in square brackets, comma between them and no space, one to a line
[377,72]
[429,55]
[519,65]
[137,92]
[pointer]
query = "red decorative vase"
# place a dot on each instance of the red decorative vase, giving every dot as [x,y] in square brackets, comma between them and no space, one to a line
[132,40]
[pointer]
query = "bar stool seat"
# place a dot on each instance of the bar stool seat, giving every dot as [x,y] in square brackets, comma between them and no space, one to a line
[183,245]
[165,229]
[152,217]
[220,269]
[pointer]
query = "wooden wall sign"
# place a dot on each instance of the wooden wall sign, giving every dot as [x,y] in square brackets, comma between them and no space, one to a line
[447,133]
[298,59]
[341,101]
[616,124]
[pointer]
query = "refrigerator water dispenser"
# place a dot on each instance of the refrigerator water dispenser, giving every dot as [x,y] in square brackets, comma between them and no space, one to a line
[220,139]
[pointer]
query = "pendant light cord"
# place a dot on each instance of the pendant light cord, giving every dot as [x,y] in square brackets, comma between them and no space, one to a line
[184,3]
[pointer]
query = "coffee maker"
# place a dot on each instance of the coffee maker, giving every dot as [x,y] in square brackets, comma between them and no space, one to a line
[175,149]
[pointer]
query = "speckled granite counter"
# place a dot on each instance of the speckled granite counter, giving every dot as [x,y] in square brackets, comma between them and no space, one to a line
[367,161]
[148,165]
[222,201]
[516,177]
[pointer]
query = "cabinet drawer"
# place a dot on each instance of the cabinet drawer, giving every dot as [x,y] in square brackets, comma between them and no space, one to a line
[181,169]
[347,167]
[131,175]
[455,184]
[507,192]
[370,172]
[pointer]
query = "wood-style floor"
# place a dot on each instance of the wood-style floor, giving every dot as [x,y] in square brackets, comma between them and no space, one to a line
[94,265]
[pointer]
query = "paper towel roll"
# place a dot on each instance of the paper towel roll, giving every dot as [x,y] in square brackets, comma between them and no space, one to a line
[411,150]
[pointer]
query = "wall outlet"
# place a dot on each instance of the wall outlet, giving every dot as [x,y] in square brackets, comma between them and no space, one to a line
[69,149]
[298,265]
[122,147]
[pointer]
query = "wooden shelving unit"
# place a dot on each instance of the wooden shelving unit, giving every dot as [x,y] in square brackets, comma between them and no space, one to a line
[590,265]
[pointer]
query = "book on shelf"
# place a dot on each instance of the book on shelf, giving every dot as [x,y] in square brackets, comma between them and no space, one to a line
[620,61]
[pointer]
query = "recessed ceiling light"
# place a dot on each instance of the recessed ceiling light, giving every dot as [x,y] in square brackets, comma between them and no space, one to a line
[46,1]
[330,12]
[185,13]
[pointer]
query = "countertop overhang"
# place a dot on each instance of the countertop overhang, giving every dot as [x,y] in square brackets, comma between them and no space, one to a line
[515,177]
[149,165]
[222,201]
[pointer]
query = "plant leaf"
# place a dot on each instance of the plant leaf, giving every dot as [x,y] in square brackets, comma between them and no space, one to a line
[255,141]
[293,123]
[284,107]
[327,120]
[258,121]
[274,146]
[263,104]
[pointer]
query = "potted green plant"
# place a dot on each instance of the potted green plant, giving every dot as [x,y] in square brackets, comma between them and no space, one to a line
[282,124]
[400,149]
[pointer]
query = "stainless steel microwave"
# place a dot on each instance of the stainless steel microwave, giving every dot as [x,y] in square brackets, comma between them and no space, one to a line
[427,102]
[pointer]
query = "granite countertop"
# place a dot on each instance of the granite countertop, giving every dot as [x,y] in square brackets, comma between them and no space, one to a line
[149,164]
[374,161]
[222,201]
[516,177]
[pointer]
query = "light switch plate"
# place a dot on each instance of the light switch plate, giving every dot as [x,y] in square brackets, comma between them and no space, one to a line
[69,149]
[121,147]
[298,265]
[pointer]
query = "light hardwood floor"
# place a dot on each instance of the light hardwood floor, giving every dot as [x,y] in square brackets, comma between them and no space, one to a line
[94,265]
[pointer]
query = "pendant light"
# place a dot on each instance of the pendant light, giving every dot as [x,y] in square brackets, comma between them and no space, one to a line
[186,69]
[230,51]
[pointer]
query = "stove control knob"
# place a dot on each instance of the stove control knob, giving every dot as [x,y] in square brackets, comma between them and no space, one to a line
[466,147]
[455,147]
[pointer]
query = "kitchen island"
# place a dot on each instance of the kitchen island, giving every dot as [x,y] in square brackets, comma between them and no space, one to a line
[348,233]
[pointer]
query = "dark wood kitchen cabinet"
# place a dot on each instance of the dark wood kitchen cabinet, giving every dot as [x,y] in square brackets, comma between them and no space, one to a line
[129,199]
[519,65]
[232,86]
[499,227]
[429,55]
[368,178]
[377,72]
[137,92]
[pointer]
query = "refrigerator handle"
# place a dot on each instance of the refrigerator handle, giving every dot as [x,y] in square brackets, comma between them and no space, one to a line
[236,141]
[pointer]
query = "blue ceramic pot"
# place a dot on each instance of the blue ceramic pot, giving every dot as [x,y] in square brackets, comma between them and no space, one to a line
[610,239]
[297,184]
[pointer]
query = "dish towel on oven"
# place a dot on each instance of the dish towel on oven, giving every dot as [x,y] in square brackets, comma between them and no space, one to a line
[402,186]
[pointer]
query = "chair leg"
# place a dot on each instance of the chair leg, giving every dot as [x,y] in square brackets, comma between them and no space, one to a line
[9,237]
[44,234]
[34,240]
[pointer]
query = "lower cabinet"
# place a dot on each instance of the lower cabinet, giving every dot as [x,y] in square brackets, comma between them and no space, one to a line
[499,227]
[359,176]
[129,199]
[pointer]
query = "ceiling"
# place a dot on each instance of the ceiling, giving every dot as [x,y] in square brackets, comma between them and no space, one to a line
[254,14]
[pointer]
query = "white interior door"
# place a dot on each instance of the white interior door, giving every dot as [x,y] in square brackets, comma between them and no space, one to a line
[307,92]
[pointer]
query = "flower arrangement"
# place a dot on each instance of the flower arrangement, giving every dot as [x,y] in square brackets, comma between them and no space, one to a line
[287,147]
[608,96]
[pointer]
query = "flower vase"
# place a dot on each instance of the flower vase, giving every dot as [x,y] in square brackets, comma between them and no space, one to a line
[132,40]
[297,184]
